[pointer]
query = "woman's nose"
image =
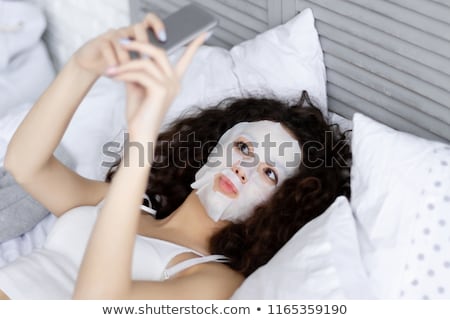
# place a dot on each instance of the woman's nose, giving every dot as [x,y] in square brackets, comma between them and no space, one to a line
[240,173]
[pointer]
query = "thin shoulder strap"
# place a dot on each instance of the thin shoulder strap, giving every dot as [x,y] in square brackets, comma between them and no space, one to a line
[169,272]
[148,208]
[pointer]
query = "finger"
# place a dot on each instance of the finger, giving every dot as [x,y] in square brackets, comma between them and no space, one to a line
[157,54]
[154,22]
[137,31]
[122,54]
[140,32]
[140,78]
[125,33]
[113,37]
[138,65]
[189,53]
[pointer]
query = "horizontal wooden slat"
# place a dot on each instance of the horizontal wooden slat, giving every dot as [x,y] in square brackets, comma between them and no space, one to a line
[215,41]
[235,15]
[260,3]
[409,17]
[239,30]
[387,60]
[245,6]
[392,59]
[443,2]
[175,3]
[354,104]
[391,27]
[388,81]
[389,102]
[227,36]
[363,31]
[432,10]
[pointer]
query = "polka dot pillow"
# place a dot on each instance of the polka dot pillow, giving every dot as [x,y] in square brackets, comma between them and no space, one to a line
[427,266]
[401,201]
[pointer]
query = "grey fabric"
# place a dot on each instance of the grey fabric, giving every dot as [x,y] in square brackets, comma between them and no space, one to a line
[19,212]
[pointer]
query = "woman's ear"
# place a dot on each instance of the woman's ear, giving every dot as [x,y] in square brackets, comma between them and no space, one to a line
[311,196]
[307,188]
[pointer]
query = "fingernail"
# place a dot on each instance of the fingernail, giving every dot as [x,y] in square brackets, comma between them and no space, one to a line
[110,71]
[124,41]
[162,36]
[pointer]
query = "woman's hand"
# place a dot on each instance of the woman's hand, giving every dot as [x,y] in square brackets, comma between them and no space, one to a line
[104,51]
[151,82]
[158,82]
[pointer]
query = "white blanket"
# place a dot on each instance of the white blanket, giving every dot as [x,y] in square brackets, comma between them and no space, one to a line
[25,66]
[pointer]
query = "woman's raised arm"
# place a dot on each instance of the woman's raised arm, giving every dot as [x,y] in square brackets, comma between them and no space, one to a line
[30,153]
[105,272]
[30,157]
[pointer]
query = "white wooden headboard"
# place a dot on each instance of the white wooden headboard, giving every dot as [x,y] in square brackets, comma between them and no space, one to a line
[389,59]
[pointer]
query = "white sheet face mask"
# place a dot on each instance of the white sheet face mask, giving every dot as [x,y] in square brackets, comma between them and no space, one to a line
[250,160]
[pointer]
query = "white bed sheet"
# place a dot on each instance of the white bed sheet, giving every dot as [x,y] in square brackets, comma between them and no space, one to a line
[12,249]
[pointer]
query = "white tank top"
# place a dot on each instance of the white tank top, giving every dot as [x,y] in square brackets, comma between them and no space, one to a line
[51,272]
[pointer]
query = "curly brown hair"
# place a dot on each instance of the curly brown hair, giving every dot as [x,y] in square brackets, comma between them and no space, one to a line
[322,175]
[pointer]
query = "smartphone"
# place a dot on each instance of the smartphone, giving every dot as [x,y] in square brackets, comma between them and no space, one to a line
[182,27]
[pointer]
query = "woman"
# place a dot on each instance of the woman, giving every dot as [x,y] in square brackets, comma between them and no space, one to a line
[252,192]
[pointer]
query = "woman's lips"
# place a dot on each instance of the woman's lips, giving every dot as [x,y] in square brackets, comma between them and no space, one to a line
[225,186]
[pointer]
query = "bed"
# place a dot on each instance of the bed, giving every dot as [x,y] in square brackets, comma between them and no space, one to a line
[381,68]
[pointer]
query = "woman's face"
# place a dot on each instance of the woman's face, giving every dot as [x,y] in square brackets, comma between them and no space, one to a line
[250,160]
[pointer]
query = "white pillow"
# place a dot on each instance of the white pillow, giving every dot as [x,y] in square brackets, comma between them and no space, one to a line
[279,63]
[321,261]
[401,198]
[25,66]
[22,25]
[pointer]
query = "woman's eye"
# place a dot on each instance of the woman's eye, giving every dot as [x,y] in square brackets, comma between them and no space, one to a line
[271,174]
[243,147]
